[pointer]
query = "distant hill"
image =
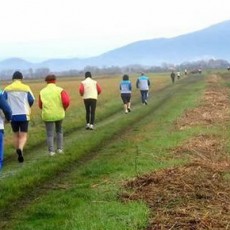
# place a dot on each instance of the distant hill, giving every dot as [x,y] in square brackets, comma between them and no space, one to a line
[15,63]
[212,42]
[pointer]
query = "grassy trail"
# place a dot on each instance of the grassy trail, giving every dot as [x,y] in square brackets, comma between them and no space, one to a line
[39,175]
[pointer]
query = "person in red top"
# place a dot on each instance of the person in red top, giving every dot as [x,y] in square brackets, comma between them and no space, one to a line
[89,90]
[53,101]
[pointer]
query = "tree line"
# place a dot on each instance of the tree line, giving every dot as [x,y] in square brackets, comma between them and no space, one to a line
[164,67]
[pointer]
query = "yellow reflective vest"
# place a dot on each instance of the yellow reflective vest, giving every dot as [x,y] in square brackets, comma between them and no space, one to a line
[52,107]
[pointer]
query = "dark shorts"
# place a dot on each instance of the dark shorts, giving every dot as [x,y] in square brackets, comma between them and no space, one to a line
[126,97]
[21,126]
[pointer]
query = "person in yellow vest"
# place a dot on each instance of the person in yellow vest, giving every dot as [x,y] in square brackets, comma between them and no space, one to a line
[53,101]
[89,90]
[20,99]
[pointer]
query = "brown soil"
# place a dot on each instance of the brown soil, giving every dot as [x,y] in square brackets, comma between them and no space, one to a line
[197,195]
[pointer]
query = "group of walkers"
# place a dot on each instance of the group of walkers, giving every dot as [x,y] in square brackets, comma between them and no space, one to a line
[173,76]
[17,99]
[177,75]
[142,84]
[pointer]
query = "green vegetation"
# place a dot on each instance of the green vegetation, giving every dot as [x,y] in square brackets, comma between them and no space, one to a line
[80,189]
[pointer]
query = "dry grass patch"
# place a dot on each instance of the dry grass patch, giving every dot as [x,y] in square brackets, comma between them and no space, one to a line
[195,196]
[207,151]
[214,107]
[189,197]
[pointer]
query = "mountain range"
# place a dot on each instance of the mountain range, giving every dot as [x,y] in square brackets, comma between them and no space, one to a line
[209,43]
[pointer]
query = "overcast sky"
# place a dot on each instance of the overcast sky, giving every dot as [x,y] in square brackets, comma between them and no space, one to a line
[97,26]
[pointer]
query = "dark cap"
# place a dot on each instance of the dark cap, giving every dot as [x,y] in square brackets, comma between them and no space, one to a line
[51,78]
[17,75]
[125,77]
[88,74]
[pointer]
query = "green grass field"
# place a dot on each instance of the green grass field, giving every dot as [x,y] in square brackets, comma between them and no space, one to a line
[81,188]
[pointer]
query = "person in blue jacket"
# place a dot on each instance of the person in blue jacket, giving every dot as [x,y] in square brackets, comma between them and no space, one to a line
[5,116]
[143,84]
[126,89]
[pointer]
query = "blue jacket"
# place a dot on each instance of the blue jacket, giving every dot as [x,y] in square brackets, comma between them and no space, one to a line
[125,86]
[5,111]
[143,83]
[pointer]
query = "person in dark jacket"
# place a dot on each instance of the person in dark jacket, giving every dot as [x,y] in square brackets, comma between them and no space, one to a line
[5,116]
[173,75]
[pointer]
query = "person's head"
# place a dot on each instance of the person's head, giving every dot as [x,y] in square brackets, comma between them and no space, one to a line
[51,78]
[17,76]
[88,74]
[125,77]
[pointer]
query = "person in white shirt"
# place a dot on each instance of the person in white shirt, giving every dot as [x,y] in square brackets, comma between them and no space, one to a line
[143,85]
[89,90]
